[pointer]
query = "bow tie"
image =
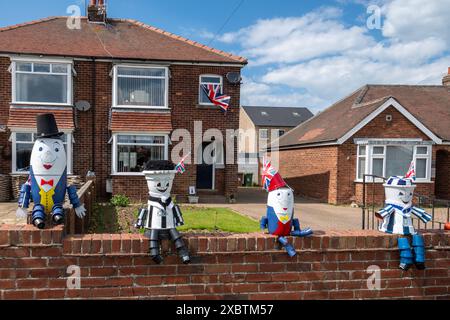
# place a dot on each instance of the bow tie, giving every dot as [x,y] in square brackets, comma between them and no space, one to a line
[50,182]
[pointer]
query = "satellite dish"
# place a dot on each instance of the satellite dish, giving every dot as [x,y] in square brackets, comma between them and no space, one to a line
[234,77]
[82,105]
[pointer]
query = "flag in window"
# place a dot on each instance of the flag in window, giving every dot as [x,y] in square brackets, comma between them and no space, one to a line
[215,95]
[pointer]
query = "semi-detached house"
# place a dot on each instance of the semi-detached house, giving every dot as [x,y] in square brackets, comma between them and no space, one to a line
[118,90]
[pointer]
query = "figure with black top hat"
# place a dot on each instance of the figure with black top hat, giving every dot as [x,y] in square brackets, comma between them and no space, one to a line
[161,217]
[279,219]
[47,183]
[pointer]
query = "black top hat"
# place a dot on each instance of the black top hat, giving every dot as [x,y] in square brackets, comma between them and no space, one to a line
[47,127]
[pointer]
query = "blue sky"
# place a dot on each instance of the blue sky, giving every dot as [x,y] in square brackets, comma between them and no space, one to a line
[302,53]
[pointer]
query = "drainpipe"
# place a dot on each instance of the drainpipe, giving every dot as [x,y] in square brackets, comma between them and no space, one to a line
[94,104]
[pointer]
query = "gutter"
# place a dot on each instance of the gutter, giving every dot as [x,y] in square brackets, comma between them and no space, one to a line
[305,145]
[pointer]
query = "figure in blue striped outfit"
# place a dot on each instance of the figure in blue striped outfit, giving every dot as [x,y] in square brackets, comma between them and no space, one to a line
[397,219]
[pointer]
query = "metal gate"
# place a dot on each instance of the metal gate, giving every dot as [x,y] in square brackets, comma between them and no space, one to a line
[439,209]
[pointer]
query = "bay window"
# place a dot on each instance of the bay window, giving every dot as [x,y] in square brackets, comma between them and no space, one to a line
[140,86]
[394,160]
[42,83]
[132,151]
[22,145]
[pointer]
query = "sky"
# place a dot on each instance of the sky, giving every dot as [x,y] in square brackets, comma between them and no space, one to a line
[302,53]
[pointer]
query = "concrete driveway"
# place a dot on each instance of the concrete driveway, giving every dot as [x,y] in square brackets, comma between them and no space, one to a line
[319,216]
[8,214]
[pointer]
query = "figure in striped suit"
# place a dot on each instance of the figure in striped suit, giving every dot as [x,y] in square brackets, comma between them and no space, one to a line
[397,219]
[161,217]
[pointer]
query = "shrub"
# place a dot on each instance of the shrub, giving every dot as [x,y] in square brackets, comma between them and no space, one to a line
[120,201]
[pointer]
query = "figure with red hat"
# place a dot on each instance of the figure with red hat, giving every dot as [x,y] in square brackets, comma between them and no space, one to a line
[279,219]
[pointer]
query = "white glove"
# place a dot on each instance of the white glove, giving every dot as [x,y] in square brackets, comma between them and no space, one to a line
[80,211]
[21,213]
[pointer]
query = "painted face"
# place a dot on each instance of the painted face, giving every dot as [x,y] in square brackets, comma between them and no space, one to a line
[48,157]
[160,185]
[282,201]
[402,196]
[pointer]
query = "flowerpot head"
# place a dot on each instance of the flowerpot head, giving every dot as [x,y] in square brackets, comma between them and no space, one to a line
[282,201]
[48,157]
[159,176]
[399,191]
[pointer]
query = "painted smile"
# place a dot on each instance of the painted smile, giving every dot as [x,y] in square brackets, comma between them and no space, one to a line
[162,190]
[48,166]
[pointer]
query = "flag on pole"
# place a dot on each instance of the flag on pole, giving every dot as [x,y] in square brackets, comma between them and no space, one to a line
[268,173]
[215,95]
[411,172]
[181,168]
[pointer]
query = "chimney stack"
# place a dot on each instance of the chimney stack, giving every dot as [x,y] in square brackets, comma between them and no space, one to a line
[97,11]
[446,79]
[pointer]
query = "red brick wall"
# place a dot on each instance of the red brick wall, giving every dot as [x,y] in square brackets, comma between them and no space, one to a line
[5,99]
[329,266]
[183,100]
[442,172]
[311,172]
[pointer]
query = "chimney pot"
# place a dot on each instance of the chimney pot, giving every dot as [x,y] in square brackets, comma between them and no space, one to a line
[93,2]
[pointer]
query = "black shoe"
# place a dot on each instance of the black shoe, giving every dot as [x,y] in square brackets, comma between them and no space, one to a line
[420,266]
[57,219]
[186,259]
[404,266]
[38,223]
[158,259]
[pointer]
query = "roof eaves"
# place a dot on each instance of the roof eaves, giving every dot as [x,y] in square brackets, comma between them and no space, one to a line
[305,145]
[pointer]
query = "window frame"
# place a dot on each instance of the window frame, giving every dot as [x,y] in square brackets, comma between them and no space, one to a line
[115,96]
[370,157]
[114,157]
[69,76]
[69,147]
[200,90]
[260,131]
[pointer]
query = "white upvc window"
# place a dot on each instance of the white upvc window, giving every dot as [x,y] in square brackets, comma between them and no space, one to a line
[41,82]
[22,145]
[394,160]
[131,151]
[207,79]
[137,86]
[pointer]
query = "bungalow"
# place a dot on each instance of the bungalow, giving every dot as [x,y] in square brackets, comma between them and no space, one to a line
[118,89]
[379,130]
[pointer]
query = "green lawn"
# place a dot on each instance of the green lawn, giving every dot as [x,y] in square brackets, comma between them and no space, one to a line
[217,219]
[109,219]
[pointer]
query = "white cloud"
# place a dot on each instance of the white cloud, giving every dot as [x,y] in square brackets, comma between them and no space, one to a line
[318,59]
[417,19]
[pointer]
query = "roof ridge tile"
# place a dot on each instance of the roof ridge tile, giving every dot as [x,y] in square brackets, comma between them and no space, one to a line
[189,41]
[29,23]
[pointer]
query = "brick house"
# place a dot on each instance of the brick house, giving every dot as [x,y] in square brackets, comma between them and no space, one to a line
[118,88]
[263,125]
[379,130]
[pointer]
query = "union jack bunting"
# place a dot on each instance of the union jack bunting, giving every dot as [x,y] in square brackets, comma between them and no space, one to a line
[181,168]
[215,95]
[268,173]
[411,172]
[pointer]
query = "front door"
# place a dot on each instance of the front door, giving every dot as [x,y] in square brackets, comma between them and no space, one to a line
[205,172]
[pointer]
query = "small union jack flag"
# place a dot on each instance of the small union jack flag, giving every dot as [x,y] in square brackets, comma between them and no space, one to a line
[215,95]
[268,173]
[411,172]
[181,168]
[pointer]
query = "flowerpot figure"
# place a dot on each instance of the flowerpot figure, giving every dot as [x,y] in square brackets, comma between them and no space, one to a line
[47,183]
[279,219]
[397,219]
[161,217]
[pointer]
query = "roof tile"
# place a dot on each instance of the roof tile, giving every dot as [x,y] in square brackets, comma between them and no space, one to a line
[135,121]
[25,117]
